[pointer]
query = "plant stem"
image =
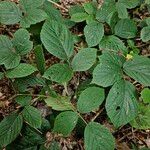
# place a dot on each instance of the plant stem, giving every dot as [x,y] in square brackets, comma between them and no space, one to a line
[56,4]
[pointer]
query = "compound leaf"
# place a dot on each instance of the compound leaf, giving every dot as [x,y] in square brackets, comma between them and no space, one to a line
[97,137]
[57,39]
[20,71]
[90,99]
[126,28]
[121,103]
[109,70]
[138,68]
[142,121]
[145,95]
[93,33]
[79,17]
[32,17]
[122,10]
[145,34]
[9,13]
[8,57]
[84,59]
[112,43]
[65,122]
[32,116]
[130,3]
[59,103]
[10,128]
[60,73]
[21,42]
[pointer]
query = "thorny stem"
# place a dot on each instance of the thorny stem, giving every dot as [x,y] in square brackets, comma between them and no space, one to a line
[56,4]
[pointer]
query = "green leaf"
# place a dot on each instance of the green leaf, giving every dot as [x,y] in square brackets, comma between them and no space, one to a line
[60,73]
[126,28]
[130,3]
[142,121]
[90,8]
[57,39]
[93,33]
[145,34]
[9,13]
[21,42]
[32,17]
[139,69]
[30,4]
[20,71]
[97,137]
[79,17]
[65,122]
[7,55]
[10,128]
[145,95]
[122,10]
[109,70]
[76,8]
[59,103]
[112,43]
[121,103]
[32,116]
[23,100]
[104,13]
[52,12]
[90,99]
[39,57]
[84,59]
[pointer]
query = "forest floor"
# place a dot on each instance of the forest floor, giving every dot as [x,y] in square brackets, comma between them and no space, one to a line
[126,136]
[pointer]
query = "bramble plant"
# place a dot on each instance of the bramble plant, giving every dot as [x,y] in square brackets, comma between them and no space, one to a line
[108,55]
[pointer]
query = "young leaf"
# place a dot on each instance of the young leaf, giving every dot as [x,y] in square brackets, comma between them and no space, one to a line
[40,60]
[145,95]
[109,70]
[142,121]
[59,103]
[9,13]
[138,68]
[10,128]
[93,33]
[112,43]
[145,34]
[79,17]
[57,39]
[21,42]
[65,122]
[32,116]
[60,73]
[7,56]
[122,10]
[126,28]
[121,103]
[90,99]
[97,137]
[20,71]
[84,59]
